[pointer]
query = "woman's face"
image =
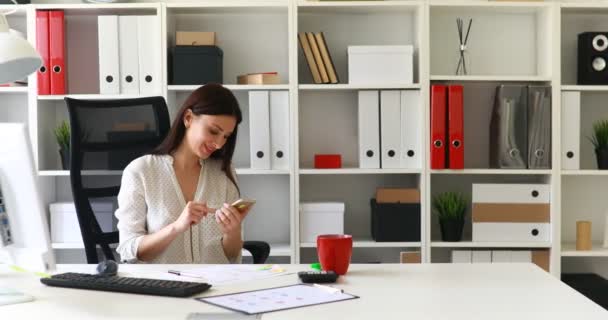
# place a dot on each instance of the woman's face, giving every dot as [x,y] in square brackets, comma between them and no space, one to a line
[207,133]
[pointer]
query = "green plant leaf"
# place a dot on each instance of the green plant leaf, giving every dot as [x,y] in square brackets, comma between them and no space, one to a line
[450,206]
[62,134]
[600,135]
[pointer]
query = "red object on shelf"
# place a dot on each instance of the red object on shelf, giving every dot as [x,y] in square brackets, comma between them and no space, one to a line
[328,161]
[57,51]
[42,45]
[438,126]
[456,127]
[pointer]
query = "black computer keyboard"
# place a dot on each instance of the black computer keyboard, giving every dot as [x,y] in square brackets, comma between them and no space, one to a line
[126,284]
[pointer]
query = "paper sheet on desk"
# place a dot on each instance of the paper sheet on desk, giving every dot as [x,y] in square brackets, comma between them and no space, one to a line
[233,273]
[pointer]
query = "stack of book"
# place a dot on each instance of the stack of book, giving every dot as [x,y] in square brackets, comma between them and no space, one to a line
[318,58]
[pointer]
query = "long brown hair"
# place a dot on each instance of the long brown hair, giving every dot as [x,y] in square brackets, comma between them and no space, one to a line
[210,99]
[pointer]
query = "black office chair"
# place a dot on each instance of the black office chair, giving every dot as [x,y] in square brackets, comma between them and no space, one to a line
[108,135]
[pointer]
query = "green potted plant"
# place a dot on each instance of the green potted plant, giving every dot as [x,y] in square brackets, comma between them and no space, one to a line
[450,208]
[600,143]
[62,134]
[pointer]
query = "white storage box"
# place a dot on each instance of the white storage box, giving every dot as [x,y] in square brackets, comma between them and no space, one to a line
[320,218]
[380,64]
[64,221]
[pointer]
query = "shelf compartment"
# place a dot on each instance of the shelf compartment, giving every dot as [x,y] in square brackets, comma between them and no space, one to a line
[371,244]
[346,171]
[569,250]
[494,171]
[378,86]
[470,244]
[506,40]
[233,87]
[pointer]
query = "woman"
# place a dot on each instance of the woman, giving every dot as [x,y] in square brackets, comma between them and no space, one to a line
[173,205]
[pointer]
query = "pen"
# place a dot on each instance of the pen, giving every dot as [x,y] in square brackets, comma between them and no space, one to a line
[179,273]
[329,289]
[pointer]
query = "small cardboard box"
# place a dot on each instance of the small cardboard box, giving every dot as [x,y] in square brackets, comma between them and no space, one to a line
[259,78]
[410,257]
[397,195]
[197,38]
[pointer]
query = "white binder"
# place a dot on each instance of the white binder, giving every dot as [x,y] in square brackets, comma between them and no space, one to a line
[259,129]
[149,60]
[279,130]
[521,256]
[411,120]
[571,130]
[511,232]
[129,55]
[461,256]
[481,256]
[501,256]
[511,193]
[369,130]
[109,74]
[390,128]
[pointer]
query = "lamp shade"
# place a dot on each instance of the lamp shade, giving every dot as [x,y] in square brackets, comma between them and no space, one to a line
[18,58]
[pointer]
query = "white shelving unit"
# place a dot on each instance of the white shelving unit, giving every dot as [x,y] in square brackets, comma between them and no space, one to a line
[569,250]
[537,45]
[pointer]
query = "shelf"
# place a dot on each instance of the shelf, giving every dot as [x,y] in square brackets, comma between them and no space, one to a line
[585,172]
[351,6]
[276,250]
[16,89]
[371,244]
[245,171]
[569,250]
[74,245]
[491,78]
[331,87]
[584,88]
[88,97]
[470,244]
[491,6]
[359,171]
[56,173]
[494,171]
[233,87]
[94,7]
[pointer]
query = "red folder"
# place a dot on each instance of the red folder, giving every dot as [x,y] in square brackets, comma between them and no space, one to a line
[456,127]
[438,126]
[42,46]
[57,51]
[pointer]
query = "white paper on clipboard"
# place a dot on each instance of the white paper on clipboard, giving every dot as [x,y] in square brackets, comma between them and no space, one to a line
[276,299]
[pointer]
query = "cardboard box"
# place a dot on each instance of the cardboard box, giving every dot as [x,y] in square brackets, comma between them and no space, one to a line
[197,38]
[511,212]
[318,218]
[410,257]
[259,78]
[397,195]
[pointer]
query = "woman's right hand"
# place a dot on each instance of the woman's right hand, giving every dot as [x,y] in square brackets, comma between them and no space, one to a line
[191,215]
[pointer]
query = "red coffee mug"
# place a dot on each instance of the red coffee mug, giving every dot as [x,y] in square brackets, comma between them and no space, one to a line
[335,251]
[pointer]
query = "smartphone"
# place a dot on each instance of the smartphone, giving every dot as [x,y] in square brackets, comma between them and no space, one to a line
[242,204]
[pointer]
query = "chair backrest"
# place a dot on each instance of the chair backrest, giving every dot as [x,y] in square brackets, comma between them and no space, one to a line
[108,135]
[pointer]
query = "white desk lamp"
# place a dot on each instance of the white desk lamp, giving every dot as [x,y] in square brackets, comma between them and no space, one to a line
[18,58]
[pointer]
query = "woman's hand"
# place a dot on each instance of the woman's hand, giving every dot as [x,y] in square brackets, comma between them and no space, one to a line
[192,214]
[229,219]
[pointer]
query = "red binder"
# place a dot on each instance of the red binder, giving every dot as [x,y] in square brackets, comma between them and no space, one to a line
[456,127]
[42,46]
[57,51]
[438,126]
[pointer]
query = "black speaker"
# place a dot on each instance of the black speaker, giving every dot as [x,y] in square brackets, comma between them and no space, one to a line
[593,58]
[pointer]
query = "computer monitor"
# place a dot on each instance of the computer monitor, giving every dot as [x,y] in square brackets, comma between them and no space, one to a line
[24,232]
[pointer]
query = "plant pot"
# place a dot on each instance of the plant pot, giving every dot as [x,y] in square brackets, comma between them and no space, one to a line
[602,158]
[65,158]
[451,230]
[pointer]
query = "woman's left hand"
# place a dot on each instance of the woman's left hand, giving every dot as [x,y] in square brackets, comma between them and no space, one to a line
[229,219]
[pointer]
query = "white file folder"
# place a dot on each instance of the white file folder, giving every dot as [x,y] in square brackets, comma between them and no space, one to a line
[461,256]
[481,256]
[369,129]
[259,129]
[411,120]
[521,256]
[501,256]
[511,193]
[511,232]
[149,61]
[129,54]
[279,130]
[109,74]
[390,128]
[571,130]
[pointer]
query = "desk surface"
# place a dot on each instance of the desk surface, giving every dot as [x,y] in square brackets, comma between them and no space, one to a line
[394,291]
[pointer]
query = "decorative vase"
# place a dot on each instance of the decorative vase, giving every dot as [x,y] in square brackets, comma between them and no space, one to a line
[451,229]
[602,158]
[64,153]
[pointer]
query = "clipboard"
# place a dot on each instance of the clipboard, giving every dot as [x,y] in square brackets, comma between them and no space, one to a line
[276,299]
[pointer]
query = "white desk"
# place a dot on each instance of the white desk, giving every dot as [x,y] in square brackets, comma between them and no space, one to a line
[392,291]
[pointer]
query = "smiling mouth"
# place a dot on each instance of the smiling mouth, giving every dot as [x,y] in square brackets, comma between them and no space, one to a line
[209,150]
